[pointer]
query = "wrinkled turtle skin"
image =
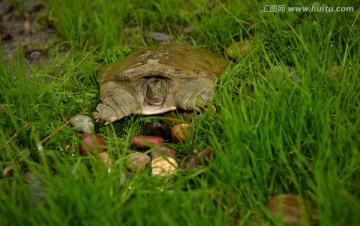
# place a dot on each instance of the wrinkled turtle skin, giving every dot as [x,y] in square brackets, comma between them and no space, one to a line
[156,80]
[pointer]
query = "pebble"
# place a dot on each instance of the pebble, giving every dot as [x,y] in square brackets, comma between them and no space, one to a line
[199,159]
[180,132]
[237,49]
[162,166]
[106,160]
[159,151]
[28,27]
[163,161]
[91,143]
[35,56]
[125,178]
[7,170]
[84,123]
[136,161]
[158,36]
[290,210]
[158,128]
[145,142]
[37,194]
[279,70]
[29,177]
[36,188]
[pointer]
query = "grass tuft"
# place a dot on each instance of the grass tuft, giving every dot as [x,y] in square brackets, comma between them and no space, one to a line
[287,118]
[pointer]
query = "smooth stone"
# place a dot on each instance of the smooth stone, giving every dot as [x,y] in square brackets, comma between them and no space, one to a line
[136,161]
[84,123]
[180,132]
[158,128]
[199,159]
[290,209]
[146,142]
[91,143]
[160,150]
[163,167]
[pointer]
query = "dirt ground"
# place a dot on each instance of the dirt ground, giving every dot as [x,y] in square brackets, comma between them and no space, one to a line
[27,27]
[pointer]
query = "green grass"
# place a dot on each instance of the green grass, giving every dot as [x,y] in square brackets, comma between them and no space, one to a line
[273,132]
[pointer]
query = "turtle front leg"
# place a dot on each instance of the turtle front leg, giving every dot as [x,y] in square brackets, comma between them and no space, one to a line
[118,101]
[194,95]
[105,113]
[115,108]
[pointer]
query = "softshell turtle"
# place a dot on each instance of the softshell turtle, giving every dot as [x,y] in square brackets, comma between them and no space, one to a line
[156,80]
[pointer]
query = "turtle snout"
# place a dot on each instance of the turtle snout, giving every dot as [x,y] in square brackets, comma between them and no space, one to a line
[156,90]
[155,101]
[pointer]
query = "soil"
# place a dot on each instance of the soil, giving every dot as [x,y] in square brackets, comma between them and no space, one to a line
[26,27]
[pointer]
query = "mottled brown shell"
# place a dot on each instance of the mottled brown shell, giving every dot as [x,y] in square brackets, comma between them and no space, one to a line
[189,73]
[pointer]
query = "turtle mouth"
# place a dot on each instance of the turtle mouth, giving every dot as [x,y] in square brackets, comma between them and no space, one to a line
[156,102]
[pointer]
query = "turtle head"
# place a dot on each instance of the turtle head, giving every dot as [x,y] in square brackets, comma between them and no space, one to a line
[156,89]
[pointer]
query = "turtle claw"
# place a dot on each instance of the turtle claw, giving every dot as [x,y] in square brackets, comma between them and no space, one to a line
[105,113]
